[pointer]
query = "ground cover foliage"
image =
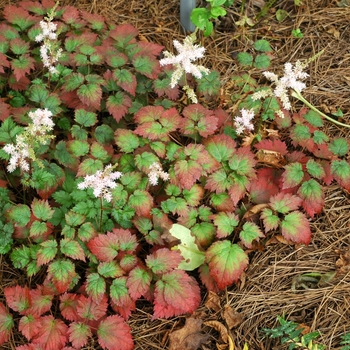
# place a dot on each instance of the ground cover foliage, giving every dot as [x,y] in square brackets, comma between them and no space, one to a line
[75,266]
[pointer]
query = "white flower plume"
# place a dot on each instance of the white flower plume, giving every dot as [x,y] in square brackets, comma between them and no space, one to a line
[245,121]
[101,182]
[155,173]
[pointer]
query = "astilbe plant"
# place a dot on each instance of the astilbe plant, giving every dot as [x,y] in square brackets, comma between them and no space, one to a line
[113,192]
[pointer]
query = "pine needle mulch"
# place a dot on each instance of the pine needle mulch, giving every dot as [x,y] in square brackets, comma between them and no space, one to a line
[273,284]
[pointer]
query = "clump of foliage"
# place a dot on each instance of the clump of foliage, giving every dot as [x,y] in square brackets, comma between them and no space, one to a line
[122,191]
[295,335]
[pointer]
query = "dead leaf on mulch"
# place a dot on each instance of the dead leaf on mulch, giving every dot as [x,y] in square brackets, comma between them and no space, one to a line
[343,263]
[189,337]
[213,302]
[231,317]
[224,334]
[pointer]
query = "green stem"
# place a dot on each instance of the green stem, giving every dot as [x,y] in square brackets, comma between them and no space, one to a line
[298,95]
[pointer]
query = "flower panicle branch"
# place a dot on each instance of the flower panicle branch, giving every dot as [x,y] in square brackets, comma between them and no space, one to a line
[156,172]
[244,122]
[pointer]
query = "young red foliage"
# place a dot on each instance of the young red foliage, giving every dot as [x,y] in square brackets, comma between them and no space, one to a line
[89,310]
[163,260]
[68,306]
[18,298]
[6,323]
[29,326]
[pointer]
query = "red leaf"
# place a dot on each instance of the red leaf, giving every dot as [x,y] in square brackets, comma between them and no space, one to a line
[3,60]
[176,293]
[207,279]
[29,326]
[79,333]
[52,334]
[4,110]
[87,309]
[22,66]
[124,33]
[138,283]
[149,49]
[68,306]
[18,298]
[264,186]
[296,228]
[164,260]
[120,297]
[114,334]
[41,301]
[118,105]
[272,145]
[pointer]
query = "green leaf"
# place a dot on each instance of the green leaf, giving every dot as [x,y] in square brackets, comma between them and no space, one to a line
[85,118]
[6,240]
[262,45]
[312,194]
[104,134]
[262,61]
[72,249]
[314,118]
[46,252]
[9,130]
[90,94]
[144,160]
[320,137]
[293,175]
[95,286]
[19,214]
[271,221]
[281,15]
[38,229]
[204,232]
[245,59]
[74,219]
[315,169]
[146,66]
[126,140]
[38,94]
[110,269]
[188,248]
[340,169]
[249,233]
[20,257]
[61,272]
[227,262]
[86,231]
[210,85]
[339,146]
[89,166]
[41,209]
[73,81]
[295,227]
[217,11]
[300,132]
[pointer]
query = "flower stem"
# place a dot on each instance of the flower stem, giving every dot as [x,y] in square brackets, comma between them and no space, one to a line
[298,95]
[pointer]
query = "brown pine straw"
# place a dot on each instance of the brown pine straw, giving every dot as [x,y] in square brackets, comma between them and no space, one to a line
[266,289]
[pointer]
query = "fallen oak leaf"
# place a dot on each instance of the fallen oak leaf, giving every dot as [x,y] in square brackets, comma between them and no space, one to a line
[189,337]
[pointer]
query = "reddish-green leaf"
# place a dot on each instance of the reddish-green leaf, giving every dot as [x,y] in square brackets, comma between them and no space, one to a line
[18,16]
[226,262]
[90,95]
[142,202]
[243,162]
[97,22]
[163,260]
[271,221]
[146,65]
[126,80]
[41,209]
[89,166]
[198,119]
[138,282]
[249,233]
[293,175]
[313,197]
[6,324]
[72,249]
[95,286]
[264,186]
[46,252]
[68,306]
[194,195]
[22,66]
[221,147]
[339,146]
[79,334]
[126,140]
[225,222]
[61,273]
[29,326]
[295,227]
[285,202]
[176,293]
[123,34]
[118,105]
[315,169]
[340,169]
[105,246]
[41,301]
[276,145]
[52,334]
[90,310]
[120,296]
[110,269]
[18,298]
[114,334]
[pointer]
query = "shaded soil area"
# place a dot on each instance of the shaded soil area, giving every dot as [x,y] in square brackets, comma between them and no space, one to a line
[271,285]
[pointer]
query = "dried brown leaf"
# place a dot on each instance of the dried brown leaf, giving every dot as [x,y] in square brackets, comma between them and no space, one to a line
[218,326]
[189,337]
[231,317]
[213,302]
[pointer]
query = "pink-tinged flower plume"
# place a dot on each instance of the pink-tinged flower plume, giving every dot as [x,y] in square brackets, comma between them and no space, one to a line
[101,182]
[155,173]
[245,121]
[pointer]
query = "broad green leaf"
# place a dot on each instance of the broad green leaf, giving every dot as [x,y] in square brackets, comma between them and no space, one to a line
[126,140]
[295,227]
[90,94]
[146,66]
[262,45]
[340,169]
[188,248]
[227,262]
[262,61]
[6,239]
[293,175]
[315,169]
[95,286]
[9,130]
[38,94]
[89,166]
[314,118]
[339,146]
[320,137]
[73,81]
[46,252]
[204,232]
[271,221]
[20,257]
[245,59]
[38,229]
[249,233]
[19,214]
[85,118]
[104,134]
[110,269]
